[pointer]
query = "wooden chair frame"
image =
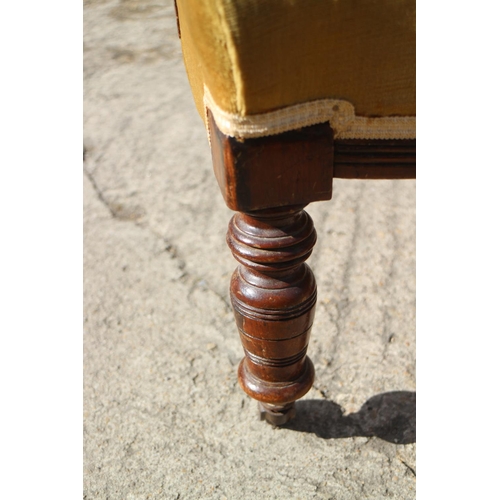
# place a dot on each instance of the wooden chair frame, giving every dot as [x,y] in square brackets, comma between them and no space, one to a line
[268,181]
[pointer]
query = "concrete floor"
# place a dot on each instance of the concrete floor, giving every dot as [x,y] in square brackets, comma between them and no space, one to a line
[164,416]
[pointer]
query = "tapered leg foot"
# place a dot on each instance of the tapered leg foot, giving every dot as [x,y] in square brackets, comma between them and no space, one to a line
[276,415]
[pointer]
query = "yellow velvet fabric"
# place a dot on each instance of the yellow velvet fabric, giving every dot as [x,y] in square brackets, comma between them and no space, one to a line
[257,56]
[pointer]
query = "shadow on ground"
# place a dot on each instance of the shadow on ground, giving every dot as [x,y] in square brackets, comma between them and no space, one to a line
[390,416]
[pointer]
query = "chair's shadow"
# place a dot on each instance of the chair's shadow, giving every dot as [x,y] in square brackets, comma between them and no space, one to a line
[390,416]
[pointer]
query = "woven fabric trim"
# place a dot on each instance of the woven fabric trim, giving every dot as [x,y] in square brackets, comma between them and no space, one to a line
[339,113]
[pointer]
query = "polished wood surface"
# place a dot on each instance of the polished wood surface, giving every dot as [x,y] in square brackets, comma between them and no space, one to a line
[375,159]
[295,167]
[273,293]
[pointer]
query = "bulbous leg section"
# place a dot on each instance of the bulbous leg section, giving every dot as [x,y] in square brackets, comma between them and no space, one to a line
[283,395]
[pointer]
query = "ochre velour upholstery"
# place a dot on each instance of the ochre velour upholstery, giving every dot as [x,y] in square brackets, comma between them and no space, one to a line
[252,57]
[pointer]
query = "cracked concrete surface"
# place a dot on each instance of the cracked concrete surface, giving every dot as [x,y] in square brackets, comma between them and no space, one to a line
[163,414]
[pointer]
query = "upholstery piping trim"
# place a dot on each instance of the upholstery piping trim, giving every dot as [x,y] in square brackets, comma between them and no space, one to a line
[339,113]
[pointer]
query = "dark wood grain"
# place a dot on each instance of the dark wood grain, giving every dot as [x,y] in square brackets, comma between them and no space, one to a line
[291,168]
[297,167]
[273,293]
[374,159]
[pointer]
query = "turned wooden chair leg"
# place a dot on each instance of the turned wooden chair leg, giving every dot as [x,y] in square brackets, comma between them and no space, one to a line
[268,181]
[273,293]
